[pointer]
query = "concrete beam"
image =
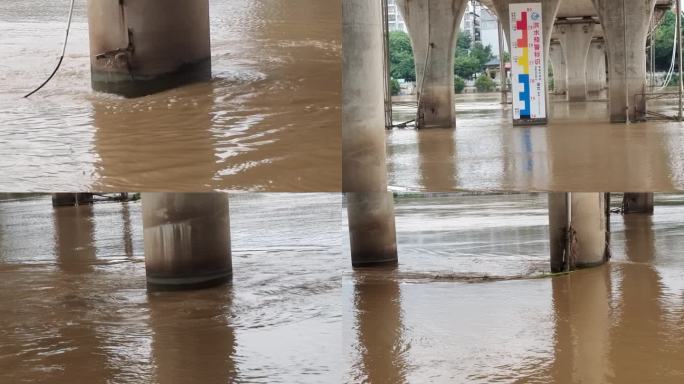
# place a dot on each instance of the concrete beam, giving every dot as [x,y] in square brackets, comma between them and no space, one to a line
[625,26]
[187,240]
[138,47]
[363,116]
[588,221]
[575,40]
[372,232]
[433,29]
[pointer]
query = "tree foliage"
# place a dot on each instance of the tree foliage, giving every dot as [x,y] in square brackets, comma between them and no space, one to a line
[663,41]
[394,87]
[459,84]
[401,56]
[484,83]
[470,57]
[466,66]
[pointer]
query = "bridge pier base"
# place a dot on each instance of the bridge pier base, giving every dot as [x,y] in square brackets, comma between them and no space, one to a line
[596,66]
[559,69]
[575,40]
[432,26]
[588,220]
[187,240]
[71,199]
[139,47]
[637,203]
[372,233]
[625,27]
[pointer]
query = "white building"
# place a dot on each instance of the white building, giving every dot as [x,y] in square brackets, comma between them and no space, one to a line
[486,23]
[396,22]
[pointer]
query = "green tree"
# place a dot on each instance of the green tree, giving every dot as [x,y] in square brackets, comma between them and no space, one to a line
[463,43]
[394,87]
[401,56]
[663,41]
[459,84]
[484,83]
[466,66]
[481,53]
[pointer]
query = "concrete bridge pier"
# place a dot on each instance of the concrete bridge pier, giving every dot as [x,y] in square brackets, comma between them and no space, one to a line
[432,26]
[372,233]
[596,66]
[575,39]
[71,199]
[559,69]
[187,240]
[625,27]
[637,203]
[363,114]
[139,47]
[588,221]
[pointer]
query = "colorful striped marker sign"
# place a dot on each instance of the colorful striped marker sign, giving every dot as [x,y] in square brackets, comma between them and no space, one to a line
[527,64]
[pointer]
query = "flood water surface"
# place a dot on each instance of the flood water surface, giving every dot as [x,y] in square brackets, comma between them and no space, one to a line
[579,150]
[432,321]
[75,308]
[268,120]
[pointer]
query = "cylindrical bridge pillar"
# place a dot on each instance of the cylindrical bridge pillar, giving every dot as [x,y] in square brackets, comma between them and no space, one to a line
[71,199]
[139,47]
[637,202]
[187,239]
[371,229]
[588,245]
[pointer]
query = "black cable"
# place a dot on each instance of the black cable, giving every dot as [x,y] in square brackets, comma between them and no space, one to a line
[59,63]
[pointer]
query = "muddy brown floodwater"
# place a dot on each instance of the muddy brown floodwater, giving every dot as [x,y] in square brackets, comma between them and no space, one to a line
[579,150]
[431,321]
[269,119]
[75,308]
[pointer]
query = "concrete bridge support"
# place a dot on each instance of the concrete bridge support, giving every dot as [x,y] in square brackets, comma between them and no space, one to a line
[187,239]
[588,220]
[71,199]
[363,116]
[625,27]
[596,66]
[433,26]
[138,47]
[559,69]
[637,203]
[371,229]
[575,39]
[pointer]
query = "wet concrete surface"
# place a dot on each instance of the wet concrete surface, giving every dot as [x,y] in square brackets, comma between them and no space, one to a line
[435,319]
[579,150]
[268,121]
[75,308]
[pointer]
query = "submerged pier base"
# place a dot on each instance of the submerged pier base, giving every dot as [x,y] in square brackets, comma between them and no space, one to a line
[71,199]
[588,238]
[372,233]
[637,203]
[139,47]
[625,27]
[187,240]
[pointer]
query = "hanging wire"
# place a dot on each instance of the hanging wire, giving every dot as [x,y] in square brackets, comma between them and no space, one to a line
[61,58]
